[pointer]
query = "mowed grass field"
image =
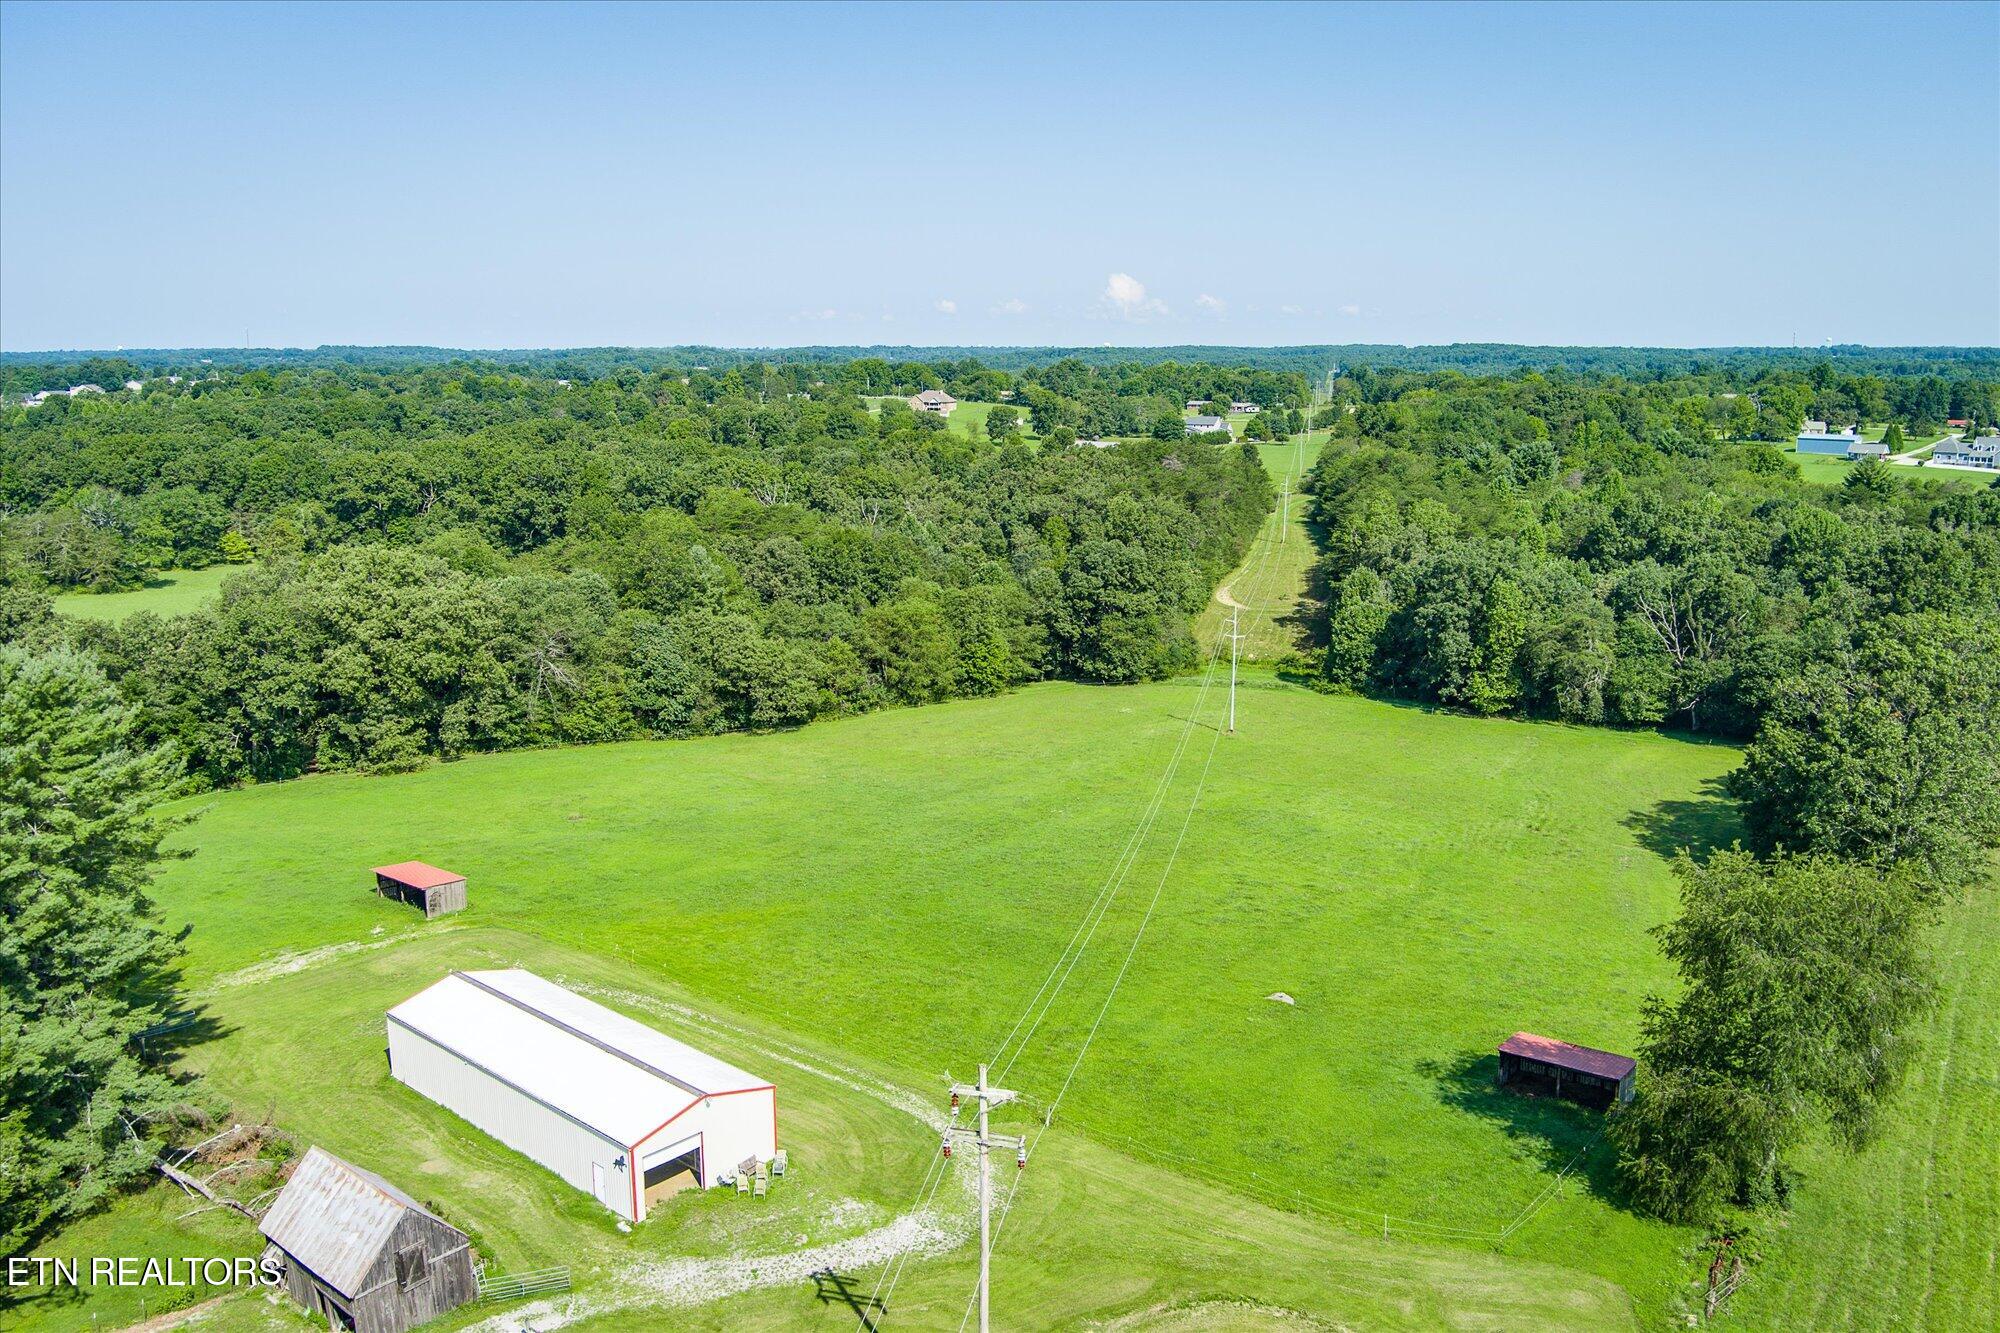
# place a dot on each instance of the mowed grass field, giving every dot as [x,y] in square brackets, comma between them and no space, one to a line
[890,891]
[1827,470]
[865,906]
[969,418]
[1270,583]
[170,592]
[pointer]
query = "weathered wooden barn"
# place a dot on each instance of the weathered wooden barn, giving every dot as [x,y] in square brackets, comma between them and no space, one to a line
[1578,1073]
[436,891]
[362,1253]
[610,1105]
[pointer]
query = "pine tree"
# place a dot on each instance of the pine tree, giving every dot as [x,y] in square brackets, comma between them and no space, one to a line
[84,962]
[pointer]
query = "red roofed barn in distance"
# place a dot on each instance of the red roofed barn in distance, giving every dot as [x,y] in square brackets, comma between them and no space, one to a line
[421,885]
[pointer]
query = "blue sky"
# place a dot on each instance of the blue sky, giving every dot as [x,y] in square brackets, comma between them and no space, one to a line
[544,176]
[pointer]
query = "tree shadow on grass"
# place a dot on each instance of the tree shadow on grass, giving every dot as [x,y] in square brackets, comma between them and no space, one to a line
[1555,1131]
[1701,826]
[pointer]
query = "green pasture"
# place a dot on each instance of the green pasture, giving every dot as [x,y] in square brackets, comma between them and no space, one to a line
[873,901]
[892,889]
[169,592]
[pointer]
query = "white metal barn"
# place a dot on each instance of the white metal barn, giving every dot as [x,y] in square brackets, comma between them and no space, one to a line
[602,1100]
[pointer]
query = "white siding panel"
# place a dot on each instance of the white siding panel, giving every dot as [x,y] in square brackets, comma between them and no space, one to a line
[511,1116]
[733,1127]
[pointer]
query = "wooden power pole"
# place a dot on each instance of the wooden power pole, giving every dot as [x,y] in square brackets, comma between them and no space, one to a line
[988,1097]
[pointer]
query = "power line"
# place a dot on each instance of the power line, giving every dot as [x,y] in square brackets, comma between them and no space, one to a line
[1049,1115]
[1073,952]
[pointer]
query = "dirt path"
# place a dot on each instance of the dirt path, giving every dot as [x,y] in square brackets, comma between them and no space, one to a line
[285,964]
[684,1282]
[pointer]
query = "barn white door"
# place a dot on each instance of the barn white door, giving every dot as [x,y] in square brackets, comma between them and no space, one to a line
[597,1182]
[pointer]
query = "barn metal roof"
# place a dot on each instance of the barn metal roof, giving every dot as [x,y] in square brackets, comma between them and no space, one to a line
[593,1064]
[334,1218]
[1567,1055]
[418,875]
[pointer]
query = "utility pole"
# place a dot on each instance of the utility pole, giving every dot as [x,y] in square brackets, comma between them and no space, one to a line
[1234,639]
[988,1098]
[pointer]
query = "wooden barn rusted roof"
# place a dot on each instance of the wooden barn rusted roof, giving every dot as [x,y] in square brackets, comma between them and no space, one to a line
[334,1218]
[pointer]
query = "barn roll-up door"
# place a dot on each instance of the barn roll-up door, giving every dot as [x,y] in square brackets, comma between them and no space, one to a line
[671,1169]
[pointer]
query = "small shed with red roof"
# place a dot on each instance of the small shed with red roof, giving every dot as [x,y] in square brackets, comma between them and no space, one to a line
[420,885]
[1580,1073]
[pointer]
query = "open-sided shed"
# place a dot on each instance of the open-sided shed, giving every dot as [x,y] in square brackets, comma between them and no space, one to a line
[420,885]
[610,1105]
[1579,1073]
[362,1253]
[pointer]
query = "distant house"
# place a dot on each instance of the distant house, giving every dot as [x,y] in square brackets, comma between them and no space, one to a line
[135,386]
[1957,423]
[436,891]
[1249,409]
[1196,404]
[1823,441]
[1867,449]
[935,401]
[1529,1063]
[79,390]
[1983,452]
[36,399]
[1206,425]
[1100,444]
[1813,427]
[361,1253]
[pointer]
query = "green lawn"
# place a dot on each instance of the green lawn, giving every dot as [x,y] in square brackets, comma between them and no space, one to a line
[969,418]
[872,901]
[889,890]
[169,592]
[1827,470]
[1271,580]
[1904,1234]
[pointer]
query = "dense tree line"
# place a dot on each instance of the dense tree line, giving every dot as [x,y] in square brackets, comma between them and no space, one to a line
[1630,553]
[85,963]
[450,559]
[1609,552]
[1740,366]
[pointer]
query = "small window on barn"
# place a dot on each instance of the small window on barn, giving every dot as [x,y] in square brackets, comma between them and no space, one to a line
[410,1266]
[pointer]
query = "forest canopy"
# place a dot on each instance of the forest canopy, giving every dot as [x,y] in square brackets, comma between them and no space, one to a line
[447,559]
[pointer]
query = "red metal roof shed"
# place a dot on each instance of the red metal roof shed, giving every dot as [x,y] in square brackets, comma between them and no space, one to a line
[420,885]
[417,875]
[1568,1055]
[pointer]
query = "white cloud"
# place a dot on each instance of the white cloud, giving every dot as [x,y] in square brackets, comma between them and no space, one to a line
[1126,296]
[1210,305]
[1350,309]
[946,306]
[1013,305]
[1290,310]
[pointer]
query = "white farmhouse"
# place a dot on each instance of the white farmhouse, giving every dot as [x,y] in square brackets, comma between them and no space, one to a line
[613,1107]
